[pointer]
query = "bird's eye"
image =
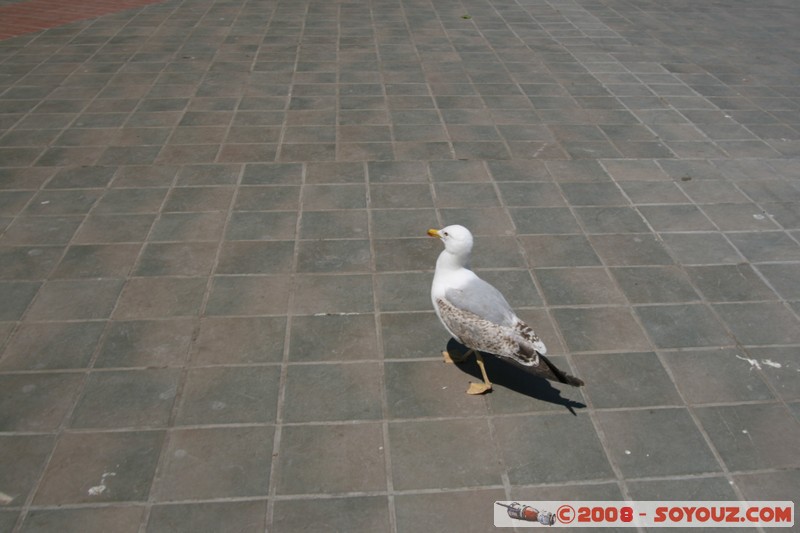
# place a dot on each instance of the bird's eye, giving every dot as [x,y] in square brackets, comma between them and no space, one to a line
[446,234]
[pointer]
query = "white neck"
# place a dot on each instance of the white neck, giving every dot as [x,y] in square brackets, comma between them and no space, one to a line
[448,261]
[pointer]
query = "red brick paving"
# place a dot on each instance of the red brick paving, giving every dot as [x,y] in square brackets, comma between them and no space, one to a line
[36,15]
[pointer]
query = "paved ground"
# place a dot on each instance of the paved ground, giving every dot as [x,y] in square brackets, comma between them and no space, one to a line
[214,273]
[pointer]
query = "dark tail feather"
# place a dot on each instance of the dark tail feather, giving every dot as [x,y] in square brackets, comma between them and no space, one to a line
[562,376]
[549,371]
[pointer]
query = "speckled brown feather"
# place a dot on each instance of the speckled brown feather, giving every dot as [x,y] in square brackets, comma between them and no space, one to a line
[515,343]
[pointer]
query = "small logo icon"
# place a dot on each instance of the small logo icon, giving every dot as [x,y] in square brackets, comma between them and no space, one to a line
[528,513]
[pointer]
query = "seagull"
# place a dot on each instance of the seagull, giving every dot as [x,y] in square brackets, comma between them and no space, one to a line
[478,316]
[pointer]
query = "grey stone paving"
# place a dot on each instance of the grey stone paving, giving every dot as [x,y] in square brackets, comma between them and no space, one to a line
[214,272]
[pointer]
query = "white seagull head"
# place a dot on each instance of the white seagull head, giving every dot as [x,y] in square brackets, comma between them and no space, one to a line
[457,240]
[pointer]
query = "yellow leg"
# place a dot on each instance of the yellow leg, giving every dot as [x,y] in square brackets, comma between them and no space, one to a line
[480,388]
[454,358]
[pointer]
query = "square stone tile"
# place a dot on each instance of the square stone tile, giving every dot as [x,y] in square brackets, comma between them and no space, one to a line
[760,323]
[655,284]
[653,192]
[122,462]
[331,458]
[213,463]
[576,286]
[481,221]
[656,442]
[626,380]
[701,248]
[330,172]
[406,254]
[428,340]
[734,377]
[345,196]
[23,458]
[490,251]
[465,510]
[360,514]
[146,343]
[253,197]
[408,291]
[465,195]
[398,171]
[532,449]
[160,297]
[177,259]
[16,296]
[763,190]
[8,519]
[739,217]
[71,299]
[351,223]
[713,192]
[766,246]
[528,171]
[389,223]
[200,175]
[191,199]
[559,250]
[691,168]
[683,326]
[348,391]
[418,389]
[97,261]
[188,227]
[13,202]
[544,220]
[449,463]
[600,491]
[229,395]
[63,202]
[679,217]
[335,338]
[785,214]
[268,225]
[36,402]
[88,519]
[41,230]
[600,329]
[119,201]
[255,257]
[248,295]
[630,250]
[333,294]
[698,489]
[246,340]
[745,435]
[334,256]
[127,399]
[393,195]
[577,170]
[777,486]
[244,516]
[610,220]
[594,194]
[114,228]
[780,366]
[536,194]
[54,345]
[28,262]
[730,283]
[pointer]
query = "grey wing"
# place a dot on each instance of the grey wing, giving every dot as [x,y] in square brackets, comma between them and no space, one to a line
[480,298]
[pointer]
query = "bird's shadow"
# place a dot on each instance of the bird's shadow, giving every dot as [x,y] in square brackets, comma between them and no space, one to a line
[512,376]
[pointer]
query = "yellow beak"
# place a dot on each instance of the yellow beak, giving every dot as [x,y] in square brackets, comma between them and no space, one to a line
[434,233]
